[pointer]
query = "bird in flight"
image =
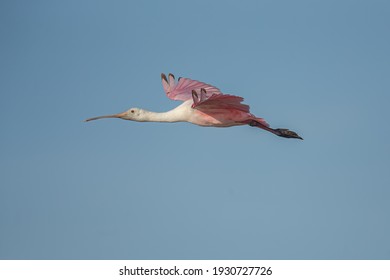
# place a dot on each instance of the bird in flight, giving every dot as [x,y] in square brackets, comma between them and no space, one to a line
[203,105]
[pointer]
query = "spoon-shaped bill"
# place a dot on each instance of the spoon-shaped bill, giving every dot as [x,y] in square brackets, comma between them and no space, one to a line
[120,115]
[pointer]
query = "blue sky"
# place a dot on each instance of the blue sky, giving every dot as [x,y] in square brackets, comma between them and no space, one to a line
[115,189]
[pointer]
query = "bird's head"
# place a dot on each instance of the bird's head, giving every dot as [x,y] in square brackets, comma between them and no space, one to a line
[283,132]
[133,114]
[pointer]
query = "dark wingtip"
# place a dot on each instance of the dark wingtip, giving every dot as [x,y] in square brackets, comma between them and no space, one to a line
[170,74]
[202,90]
[179,79]
[163,77]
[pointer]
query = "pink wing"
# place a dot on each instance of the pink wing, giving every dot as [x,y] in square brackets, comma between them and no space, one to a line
[204,102]
[221,101]
[182,90]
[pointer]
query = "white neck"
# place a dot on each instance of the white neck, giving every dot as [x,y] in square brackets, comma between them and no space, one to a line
[170,116]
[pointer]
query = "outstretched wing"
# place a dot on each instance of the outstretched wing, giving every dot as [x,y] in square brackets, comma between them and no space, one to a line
[182,90]
[204,102]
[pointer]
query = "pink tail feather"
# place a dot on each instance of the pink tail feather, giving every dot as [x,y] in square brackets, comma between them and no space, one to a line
[260,121]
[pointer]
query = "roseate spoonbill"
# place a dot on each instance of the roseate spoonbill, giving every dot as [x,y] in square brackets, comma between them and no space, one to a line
[204,105]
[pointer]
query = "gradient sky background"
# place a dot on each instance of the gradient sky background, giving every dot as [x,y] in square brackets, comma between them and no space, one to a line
[114,189]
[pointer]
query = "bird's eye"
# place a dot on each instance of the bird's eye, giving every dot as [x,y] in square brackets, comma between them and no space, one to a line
[132,111]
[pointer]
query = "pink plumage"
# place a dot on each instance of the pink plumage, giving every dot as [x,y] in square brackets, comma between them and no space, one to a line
[203,105]
[182,90]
